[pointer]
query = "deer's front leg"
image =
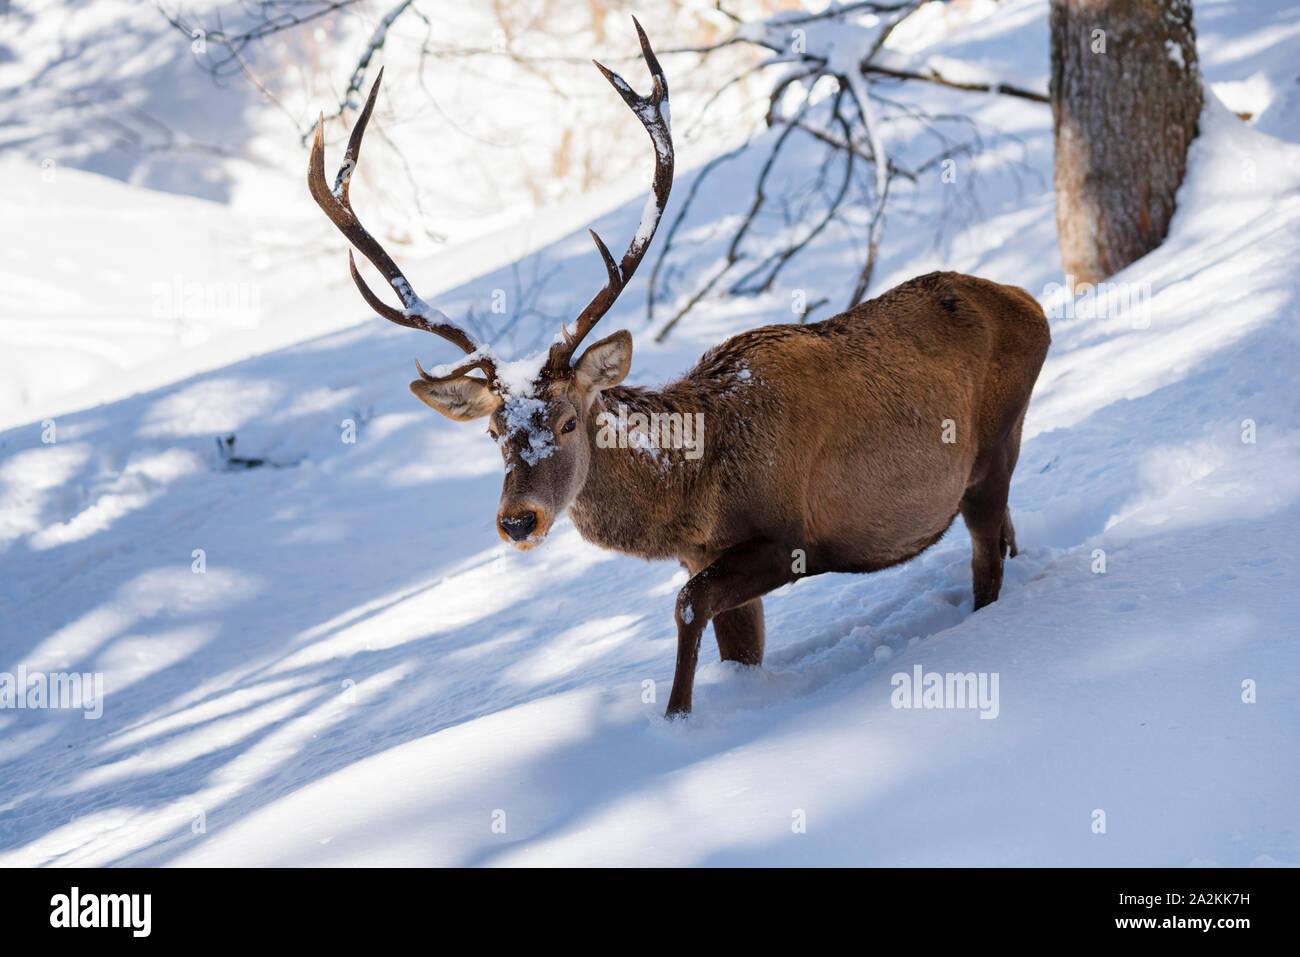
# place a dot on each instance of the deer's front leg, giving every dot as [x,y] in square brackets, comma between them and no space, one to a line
[741,574]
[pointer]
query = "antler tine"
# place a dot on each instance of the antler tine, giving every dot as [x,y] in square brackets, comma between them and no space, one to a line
[416,313]
[481,362]
[652,111]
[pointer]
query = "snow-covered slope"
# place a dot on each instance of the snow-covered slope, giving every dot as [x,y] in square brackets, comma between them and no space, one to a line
[355,670]
[215,252]
[111,289]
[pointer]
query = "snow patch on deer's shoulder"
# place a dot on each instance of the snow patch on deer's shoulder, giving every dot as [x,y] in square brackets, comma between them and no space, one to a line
[737,378]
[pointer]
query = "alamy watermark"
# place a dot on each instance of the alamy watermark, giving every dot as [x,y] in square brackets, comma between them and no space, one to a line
[653,431]
[1103,300]
[133,912]
[946,690]
[239,303]
[57,691]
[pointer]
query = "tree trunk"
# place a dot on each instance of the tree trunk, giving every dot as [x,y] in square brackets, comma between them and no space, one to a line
[1126,97]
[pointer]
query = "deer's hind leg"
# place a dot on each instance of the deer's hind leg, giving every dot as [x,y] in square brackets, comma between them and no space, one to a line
[740,633]
[1008,537]
[1008,543]
[984,508]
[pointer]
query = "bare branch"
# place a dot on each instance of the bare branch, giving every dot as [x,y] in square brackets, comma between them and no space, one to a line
[933,76]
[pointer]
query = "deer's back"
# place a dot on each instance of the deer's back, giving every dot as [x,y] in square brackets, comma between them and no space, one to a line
[861,432]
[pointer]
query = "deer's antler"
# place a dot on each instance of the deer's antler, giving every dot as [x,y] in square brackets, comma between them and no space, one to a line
[652,111]
[415,312]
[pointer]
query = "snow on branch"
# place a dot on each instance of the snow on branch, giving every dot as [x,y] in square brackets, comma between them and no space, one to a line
[844,48]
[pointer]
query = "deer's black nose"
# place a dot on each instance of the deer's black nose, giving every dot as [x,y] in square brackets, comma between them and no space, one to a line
[519,527]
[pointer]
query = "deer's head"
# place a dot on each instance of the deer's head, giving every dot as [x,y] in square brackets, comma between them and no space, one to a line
[545,433]
[544,426]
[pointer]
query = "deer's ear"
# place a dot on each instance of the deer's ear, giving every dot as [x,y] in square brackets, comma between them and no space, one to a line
[463,398]
[605,363]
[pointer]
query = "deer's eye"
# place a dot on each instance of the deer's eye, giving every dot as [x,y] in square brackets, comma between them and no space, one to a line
[569,426]
[493,432]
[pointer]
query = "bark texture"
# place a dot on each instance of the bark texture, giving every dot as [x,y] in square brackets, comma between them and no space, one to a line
[1126,98]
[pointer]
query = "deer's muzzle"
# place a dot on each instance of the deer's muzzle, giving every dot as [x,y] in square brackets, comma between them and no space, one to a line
[518,527]
[524,527]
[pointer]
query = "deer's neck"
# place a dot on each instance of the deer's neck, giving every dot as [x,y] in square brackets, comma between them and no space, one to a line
[648,451]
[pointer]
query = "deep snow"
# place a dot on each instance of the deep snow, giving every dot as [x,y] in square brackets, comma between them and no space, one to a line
[362,673]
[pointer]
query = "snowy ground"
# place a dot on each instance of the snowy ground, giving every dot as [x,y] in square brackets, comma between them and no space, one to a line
[363,674]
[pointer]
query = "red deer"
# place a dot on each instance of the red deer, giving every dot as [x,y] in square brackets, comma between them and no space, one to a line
[847,445]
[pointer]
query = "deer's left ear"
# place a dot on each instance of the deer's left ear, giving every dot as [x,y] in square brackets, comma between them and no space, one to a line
[605,363]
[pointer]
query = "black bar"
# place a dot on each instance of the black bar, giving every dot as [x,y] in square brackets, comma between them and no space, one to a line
[329,907]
